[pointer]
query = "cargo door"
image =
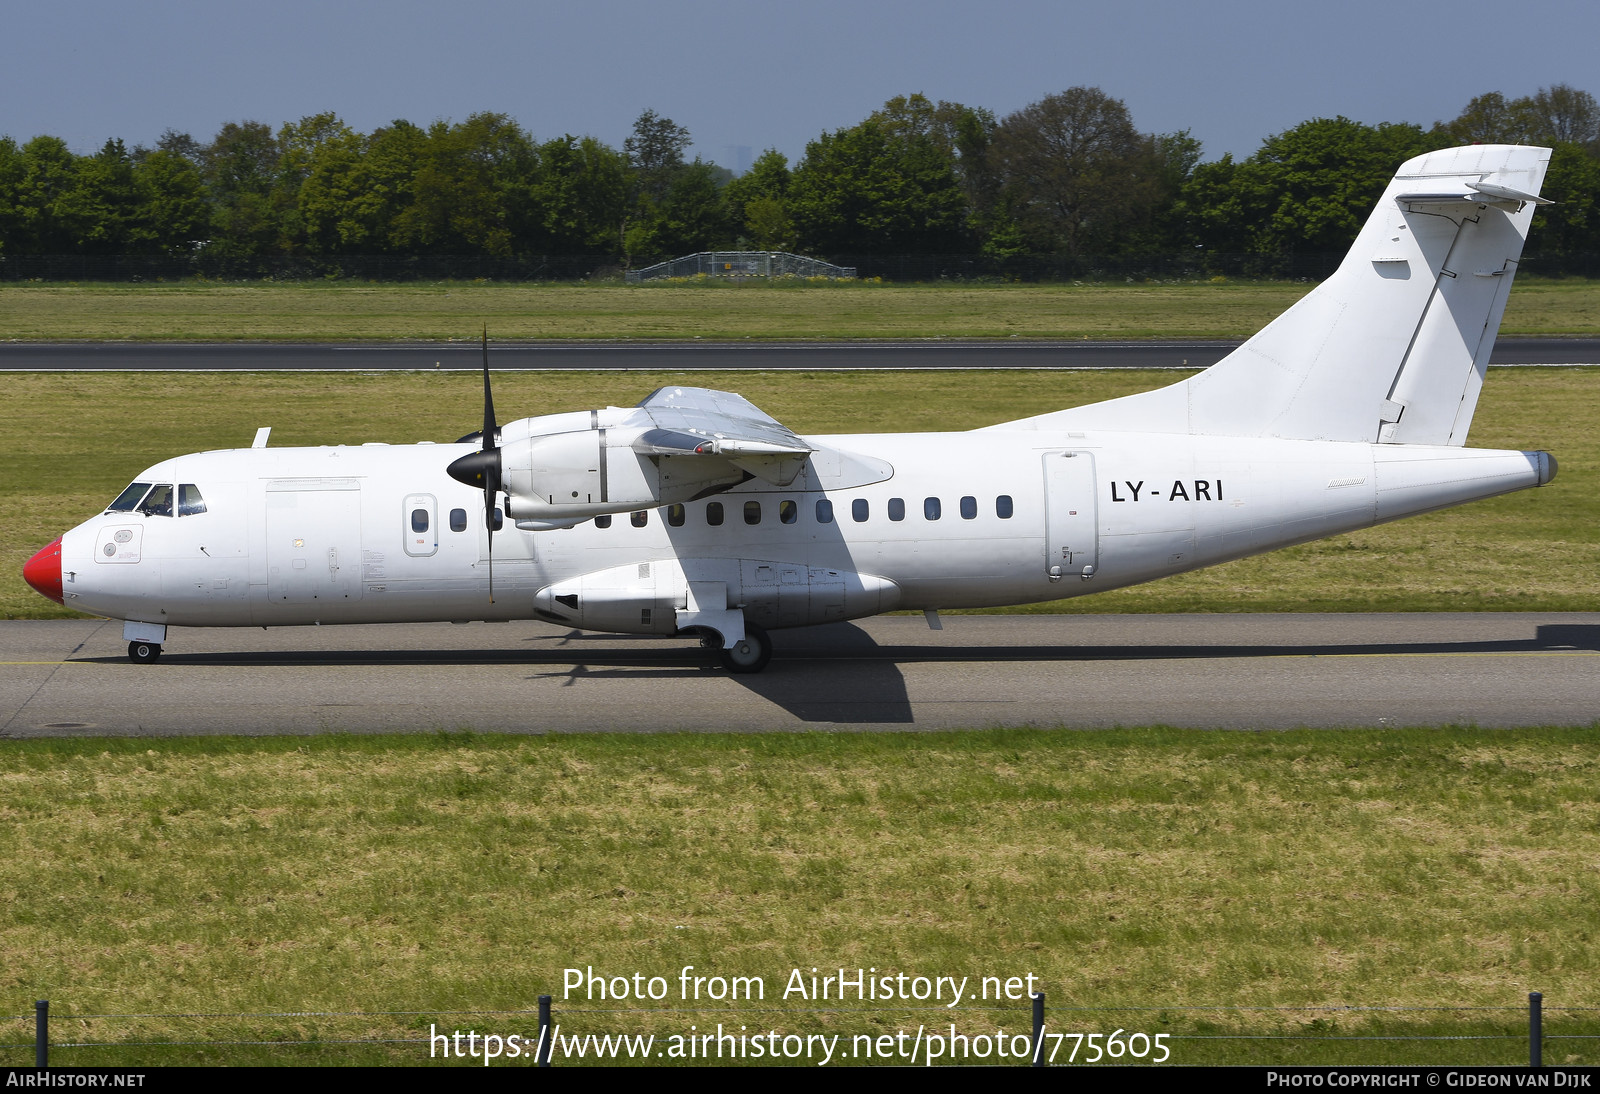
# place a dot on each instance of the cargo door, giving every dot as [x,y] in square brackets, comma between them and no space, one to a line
[313,541]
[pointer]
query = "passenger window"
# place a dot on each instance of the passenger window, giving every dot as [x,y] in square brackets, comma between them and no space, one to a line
[458,520]
[499,521]
[603,521]
[752,512]
[159,503]
[1002,507]
[639,519]
[824,511]
[419,520]
[190,503]
[675,515]
[714,513]
[930,508]
[897,508]
[858,510]
[788,512]
[129,499]
[969,508]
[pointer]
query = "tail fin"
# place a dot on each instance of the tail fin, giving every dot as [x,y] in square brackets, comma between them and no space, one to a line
[1393,346]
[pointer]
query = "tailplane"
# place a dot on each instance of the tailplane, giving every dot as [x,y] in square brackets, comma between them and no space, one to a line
[1391,348]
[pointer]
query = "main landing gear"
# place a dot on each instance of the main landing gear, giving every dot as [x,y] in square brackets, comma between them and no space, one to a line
[144,653]
[749,654]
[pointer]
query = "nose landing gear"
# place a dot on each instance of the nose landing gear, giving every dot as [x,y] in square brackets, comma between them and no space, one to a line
[144,653]
[144,641]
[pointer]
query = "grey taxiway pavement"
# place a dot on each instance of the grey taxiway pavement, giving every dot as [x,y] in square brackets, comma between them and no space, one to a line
[72,678]
[691,356]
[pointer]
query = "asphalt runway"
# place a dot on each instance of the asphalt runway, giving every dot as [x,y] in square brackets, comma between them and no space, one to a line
[72,678]
[676,356]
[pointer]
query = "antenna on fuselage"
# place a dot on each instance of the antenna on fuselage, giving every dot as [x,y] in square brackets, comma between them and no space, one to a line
[483,466]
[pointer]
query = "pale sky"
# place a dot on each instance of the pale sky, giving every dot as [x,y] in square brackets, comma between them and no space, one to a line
[743,76]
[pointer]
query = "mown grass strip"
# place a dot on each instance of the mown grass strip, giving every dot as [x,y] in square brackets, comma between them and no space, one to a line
[340,311]
[70,441]
[1151,868]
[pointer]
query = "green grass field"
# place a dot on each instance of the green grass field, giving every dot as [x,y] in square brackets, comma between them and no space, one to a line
[339,311]
[1134,872]
[70,442]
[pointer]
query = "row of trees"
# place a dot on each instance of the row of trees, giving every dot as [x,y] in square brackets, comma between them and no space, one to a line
[1068,175]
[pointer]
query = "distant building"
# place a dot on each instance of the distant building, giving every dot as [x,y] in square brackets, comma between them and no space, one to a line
[742,264]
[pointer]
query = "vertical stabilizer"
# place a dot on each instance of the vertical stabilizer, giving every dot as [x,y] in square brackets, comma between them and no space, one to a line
[1393,346]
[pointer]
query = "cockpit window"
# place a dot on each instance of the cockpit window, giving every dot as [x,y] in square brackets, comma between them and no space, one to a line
[128,500]
[190,503]
[159,502]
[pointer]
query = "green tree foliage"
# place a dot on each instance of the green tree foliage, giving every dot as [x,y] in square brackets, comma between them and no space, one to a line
[581,193]
[46,178]
[963,137]
[655,151]
[1572,225]
[340,200]
[175,216]
[1553,115]
[1075,174]
[103,211]
[692,217]
[12,172]
[302,145]
[1487,119]
[1070,174]
[758,203]
[1568,121]
[1308,189]
[240,167]
[472,191]
[882,187]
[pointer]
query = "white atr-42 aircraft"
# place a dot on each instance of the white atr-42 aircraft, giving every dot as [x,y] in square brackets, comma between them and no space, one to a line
[694,512]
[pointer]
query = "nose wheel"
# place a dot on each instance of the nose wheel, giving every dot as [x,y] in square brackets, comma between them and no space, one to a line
[144,653]
[749,654]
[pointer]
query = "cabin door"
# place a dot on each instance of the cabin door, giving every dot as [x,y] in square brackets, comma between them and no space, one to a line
[1072,540]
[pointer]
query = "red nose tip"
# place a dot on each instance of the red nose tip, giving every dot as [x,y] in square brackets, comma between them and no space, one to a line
[43,571]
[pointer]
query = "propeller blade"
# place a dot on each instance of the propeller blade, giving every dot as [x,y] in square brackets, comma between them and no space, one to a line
[488,522]
[490,428]
[491,448]
[483,468]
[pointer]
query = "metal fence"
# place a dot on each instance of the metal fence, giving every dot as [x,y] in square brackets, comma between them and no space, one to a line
[1036,1037]
[740,264]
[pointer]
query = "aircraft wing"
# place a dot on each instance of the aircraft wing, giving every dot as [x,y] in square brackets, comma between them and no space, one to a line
[696,421]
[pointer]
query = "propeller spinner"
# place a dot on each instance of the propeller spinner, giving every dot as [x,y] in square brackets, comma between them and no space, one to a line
[483,468]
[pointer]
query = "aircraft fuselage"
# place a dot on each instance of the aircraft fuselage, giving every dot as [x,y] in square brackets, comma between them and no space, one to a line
[380,533]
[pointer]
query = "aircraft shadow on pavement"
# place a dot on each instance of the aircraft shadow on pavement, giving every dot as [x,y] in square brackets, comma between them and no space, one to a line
[853,685]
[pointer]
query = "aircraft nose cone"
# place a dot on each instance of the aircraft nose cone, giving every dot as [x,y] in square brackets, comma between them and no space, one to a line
[43,571]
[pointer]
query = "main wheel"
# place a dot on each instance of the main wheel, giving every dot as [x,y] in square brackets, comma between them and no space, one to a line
[750,654]
[144,653]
